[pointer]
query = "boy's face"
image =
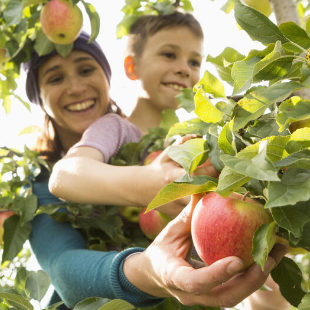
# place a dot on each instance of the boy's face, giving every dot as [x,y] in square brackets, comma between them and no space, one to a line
[170,62]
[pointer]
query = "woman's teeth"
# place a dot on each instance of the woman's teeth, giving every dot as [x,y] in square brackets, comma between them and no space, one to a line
[80,106]
[175,87]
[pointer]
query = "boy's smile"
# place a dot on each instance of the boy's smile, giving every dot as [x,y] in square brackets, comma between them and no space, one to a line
[170,62]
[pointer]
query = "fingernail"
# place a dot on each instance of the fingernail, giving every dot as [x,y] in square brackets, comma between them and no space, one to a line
[270,263]
[234,267]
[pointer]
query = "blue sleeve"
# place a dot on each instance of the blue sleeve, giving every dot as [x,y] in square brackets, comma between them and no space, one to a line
[75,271]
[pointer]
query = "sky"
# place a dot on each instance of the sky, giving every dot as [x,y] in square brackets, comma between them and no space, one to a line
[220,30]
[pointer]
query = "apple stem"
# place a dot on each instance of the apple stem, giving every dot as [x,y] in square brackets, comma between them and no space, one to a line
[245,195]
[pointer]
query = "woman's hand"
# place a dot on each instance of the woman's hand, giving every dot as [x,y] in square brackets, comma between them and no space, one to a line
[164,269]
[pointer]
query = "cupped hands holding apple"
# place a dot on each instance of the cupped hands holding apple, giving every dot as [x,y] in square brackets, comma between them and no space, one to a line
[171,272]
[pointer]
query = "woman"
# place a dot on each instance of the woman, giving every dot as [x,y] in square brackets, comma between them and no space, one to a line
[74,92]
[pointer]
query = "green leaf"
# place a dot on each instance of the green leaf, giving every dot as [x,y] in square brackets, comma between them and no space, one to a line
[42,45]
[224,62]
[259,167]
[305,303]
[189,154]
[193,126]
[185,99]
[294,187]
[292,218]
[257,25]
[211,85]
[174,191]
[295,34]
[91,303]
[205,110]
[263,241]
[37,284]
[288,276]
[13,12]
[14,237]
[299,159]
[168,118]
[267,67]
[94,20]
[254,104]
[19,300]
[117,304]
[64,50]
[55,306]
[292,110]
[226,139]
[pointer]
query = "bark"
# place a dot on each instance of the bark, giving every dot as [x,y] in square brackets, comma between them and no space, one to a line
[285,11]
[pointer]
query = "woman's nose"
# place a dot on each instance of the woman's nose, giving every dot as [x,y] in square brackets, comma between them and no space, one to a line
[76,86]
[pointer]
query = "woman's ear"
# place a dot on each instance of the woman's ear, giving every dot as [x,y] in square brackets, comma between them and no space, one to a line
[130,68]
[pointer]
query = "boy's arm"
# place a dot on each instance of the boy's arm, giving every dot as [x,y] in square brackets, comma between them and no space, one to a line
[81,176]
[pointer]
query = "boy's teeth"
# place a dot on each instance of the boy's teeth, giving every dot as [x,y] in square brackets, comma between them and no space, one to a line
[175,87]
[80,106]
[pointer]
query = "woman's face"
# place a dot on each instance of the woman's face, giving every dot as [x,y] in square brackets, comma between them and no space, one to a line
[74,91]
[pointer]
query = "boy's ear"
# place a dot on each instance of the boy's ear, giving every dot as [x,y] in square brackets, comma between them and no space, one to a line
[130,68]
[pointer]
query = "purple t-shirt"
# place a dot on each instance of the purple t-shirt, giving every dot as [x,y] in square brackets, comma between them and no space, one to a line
[108,133]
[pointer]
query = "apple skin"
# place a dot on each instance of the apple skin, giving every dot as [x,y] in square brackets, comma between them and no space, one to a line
[151,157]
[299,124]
[153,222]
[4,214]
[262,6]
[131,213]
[224,227]
[61,21]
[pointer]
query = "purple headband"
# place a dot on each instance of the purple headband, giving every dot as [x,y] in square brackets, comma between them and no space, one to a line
[31,67]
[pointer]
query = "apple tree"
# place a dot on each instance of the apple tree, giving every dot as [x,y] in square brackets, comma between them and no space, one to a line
[248,135]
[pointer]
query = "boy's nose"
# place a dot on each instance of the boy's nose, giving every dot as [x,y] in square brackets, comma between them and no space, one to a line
[183,70]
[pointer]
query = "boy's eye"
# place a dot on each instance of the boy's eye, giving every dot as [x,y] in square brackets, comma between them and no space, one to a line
[195,63]
[169,55]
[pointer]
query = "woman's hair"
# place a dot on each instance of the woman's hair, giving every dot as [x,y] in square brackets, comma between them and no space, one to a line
[148,25]
[49,144]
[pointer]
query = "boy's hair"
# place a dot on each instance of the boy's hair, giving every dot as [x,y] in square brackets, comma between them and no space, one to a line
[148,25]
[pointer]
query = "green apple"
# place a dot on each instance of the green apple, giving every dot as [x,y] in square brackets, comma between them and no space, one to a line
[61,21]
[262,6]
[224,227]
[131,213]
[4,214]
[299,124]
[153,222]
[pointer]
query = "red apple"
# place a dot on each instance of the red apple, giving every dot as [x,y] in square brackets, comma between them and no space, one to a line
[150,157]
[61,21]
[299,124]
[153,222]
[224,227]
[4,214]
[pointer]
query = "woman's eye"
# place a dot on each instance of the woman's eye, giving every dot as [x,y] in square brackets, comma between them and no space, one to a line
[55,79]
[87,71]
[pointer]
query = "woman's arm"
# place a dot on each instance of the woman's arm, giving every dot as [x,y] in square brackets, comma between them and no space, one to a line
[81,176]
